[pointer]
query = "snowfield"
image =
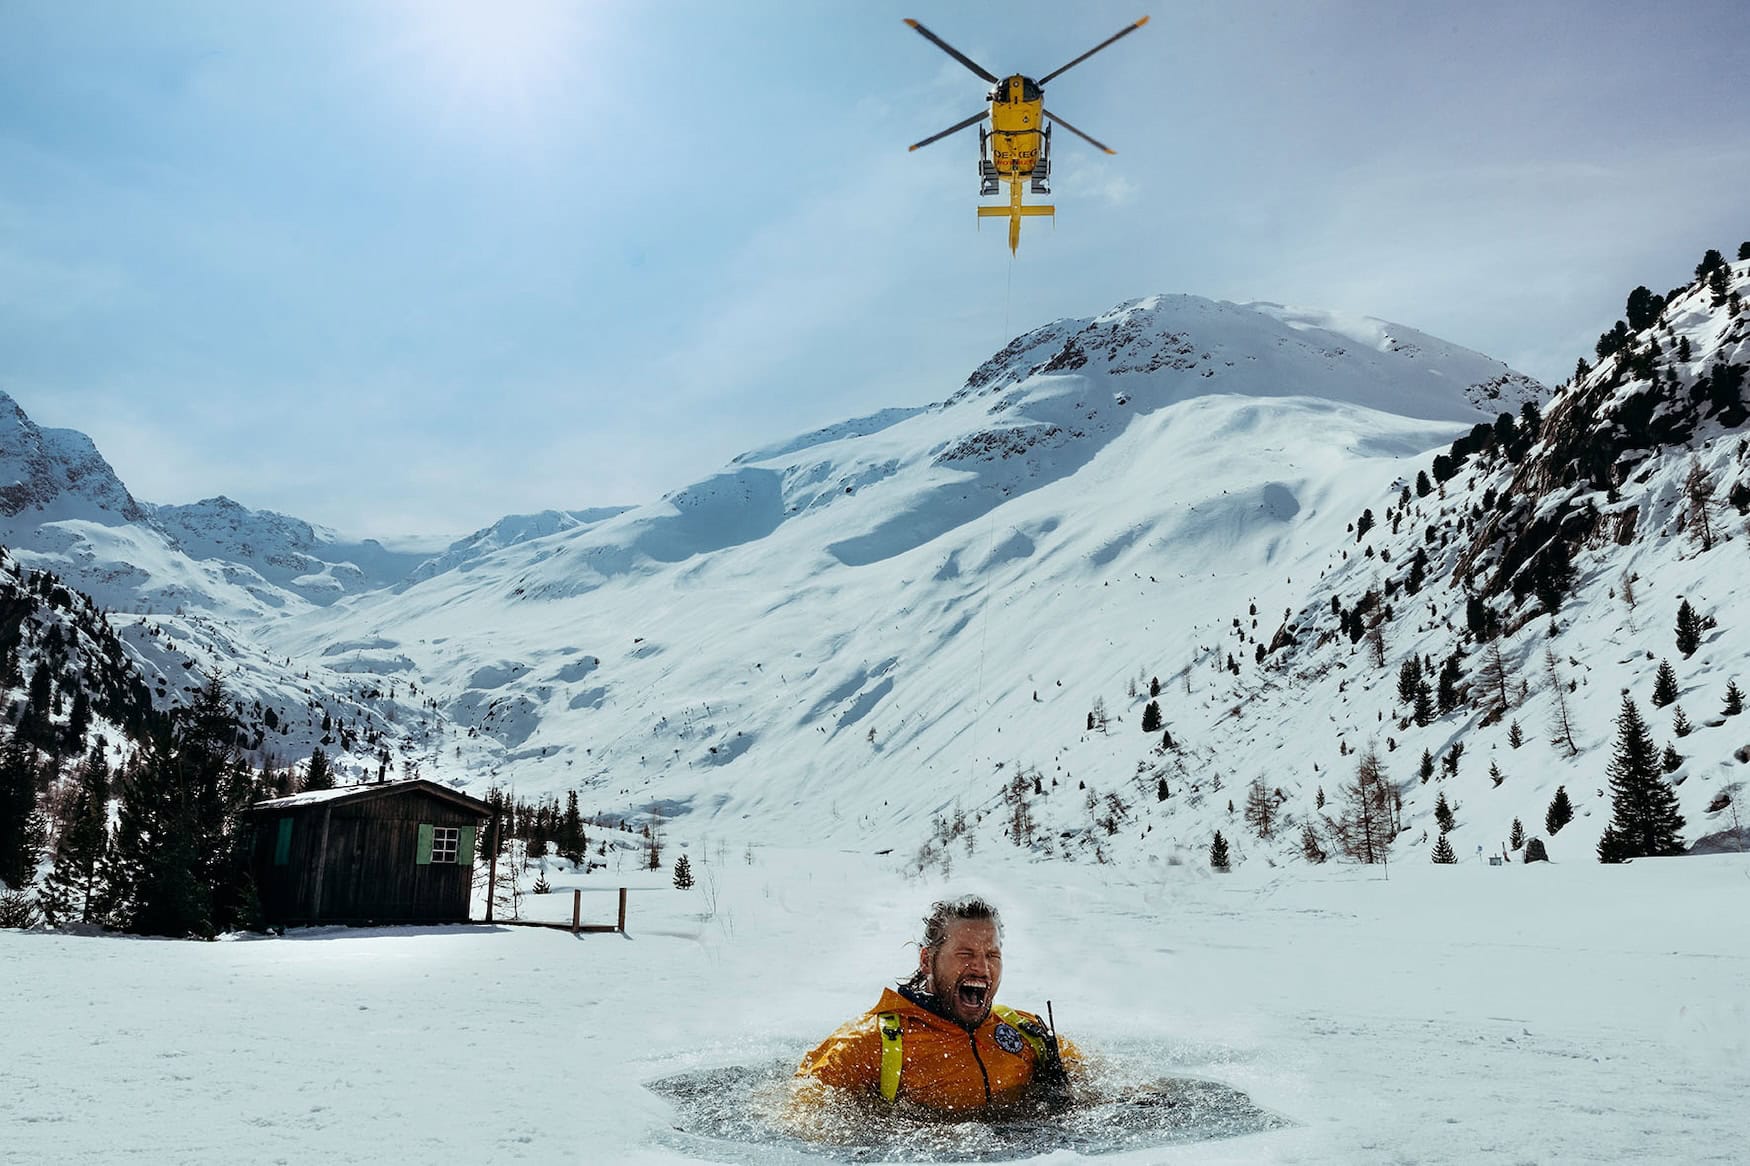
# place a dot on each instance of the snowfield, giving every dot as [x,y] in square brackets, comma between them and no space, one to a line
[1410,1014]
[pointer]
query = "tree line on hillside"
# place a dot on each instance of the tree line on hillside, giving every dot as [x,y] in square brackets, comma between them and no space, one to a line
[172,859]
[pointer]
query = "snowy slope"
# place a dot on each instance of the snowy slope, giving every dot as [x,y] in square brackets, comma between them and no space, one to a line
[311,562]
[852,630]
[1449,1015]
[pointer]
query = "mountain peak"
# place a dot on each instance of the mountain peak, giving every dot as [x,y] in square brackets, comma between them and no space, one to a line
[1187,346]
[59,470]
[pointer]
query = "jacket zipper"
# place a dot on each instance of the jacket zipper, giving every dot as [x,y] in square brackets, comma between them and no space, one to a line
[973,1037]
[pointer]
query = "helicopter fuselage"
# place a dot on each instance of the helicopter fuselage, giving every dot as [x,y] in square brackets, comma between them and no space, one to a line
[1017,124]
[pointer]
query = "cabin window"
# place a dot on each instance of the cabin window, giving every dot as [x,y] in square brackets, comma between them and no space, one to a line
[282,843]
[445,841]
[447,844]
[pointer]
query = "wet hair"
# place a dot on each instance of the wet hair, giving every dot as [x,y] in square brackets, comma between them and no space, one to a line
[946,912]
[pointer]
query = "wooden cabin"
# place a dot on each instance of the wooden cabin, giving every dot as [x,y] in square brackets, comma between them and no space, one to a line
[388,852]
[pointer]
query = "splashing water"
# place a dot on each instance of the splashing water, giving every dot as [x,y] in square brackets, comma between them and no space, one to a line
[764,1114]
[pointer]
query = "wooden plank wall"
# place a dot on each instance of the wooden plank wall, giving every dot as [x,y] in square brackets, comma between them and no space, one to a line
[370,874]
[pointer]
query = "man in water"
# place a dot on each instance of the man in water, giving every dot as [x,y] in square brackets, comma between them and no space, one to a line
[941,1041]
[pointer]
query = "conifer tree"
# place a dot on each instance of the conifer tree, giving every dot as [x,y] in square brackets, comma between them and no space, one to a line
[1560,812]
[1643,807]
[1516,836]
[1664,684]
[1309,844]
[1515,735]
[683,873]
[1734,699]
[20,843]
[1151,717]
[1154,687]
[1497,682]
[1409,677]
[1447,693]
[1319,798]
[1671,760]
[1561,725]
[1218,857]
[571,839]
[1161,791]
[1443,814]
[1495,774]
[1364,826]
[180,853]
[1688,629]
[1260,808]
[1426,769]
[319,775]
[75,889]
[1443,851]
[1680,722]
[1424,707]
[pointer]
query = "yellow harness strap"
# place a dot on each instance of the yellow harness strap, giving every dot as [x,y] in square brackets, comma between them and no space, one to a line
[892,1030]
[892,1053]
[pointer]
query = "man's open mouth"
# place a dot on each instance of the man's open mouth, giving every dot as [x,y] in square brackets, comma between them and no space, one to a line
[972,993]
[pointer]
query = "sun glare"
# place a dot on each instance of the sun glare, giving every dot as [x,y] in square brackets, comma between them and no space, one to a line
[502,67]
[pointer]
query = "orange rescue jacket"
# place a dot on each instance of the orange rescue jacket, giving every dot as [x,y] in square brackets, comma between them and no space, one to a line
[946,1067]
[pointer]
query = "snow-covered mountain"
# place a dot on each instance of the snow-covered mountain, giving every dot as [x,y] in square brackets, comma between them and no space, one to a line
[51,474]
[898,630]
[63,508]
[853,629]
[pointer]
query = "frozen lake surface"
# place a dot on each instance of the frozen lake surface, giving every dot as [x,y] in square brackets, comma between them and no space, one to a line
[1448,1014]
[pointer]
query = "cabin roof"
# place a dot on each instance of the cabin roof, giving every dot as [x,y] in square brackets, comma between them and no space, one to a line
[371,790]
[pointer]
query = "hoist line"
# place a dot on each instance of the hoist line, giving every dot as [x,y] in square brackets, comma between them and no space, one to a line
[990,534]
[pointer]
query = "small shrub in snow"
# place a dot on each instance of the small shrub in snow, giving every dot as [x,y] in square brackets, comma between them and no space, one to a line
[17,910]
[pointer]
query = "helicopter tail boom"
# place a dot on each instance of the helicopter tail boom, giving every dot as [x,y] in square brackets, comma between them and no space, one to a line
[1015,212]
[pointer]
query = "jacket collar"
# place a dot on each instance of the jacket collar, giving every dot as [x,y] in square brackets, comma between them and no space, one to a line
[926,1002]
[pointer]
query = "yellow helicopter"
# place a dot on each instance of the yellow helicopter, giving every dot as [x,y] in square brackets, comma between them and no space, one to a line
[1017,146]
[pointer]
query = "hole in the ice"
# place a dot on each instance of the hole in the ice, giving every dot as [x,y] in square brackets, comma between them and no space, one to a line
[759,1113]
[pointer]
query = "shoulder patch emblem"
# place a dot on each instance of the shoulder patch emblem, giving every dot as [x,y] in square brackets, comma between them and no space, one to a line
[1007,1038]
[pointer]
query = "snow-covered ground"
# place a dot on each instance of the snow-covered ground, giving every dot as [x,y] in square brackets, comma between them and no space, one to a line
[1551,1013]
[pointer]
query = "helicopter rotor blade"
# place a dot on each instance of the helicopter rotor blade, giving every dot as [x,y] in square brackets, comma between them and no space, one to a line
[1095,142]
[953,129]
[1124,32]
[962,57]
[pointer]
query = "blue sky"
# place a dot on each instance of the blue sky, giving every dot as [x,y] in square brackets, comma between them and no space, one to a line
[405,267]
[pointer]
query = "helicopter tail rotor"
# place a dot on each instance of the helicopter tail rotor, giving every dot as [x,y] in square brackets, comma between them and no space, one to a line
[1115,37]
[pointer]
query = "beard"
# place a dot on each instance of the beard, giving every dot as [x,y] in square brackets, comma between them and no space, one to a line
[966,1000]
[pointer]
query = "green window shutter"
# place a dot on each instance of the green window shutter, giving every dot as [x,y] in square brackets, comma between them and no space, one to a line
[282,846]
[465,847]
[423,858]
